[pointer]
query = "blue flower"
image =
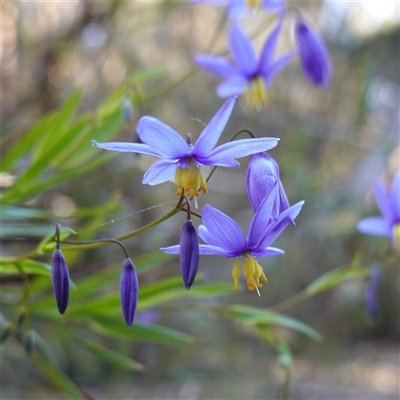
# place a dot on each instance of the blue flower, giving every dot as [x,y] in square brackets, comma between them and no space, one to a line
[247,75]
[314,55]
[224,238]
[181,159]
[60,279]
[189,253]
[129,289]
[262,175]
[388,201]
[237,8]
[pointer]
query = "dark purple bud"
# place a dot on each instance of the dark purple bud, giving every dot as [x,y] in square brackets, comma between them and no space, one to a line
[314,55]
[375,275]
[371,302]
[189,253]
[60,278]
[129,289]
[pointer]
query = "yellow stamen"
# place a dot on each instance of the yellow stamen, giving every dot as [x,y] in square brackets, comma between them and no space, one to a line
[254,4]
[252,271]
[255,95]
[190,179]
[236,275]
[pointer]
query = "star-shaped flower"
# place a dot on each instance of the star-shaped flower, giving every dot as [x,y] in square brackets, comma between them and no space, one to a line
[246,75]
[181,159]
[238,8]
[388,224]
[224,238]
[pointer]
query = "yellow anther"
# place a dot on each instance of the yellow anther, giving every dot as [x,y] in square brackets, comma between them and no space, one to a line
[255,95]
[236,275]
[254,4]
[252,271]
[190,180]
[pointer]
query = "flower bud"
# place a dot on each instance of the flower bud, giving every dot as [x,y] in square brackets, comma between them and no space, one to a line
[314,55]
[127,108]
[60,278]
[262,174]
[189,253]
[129,288]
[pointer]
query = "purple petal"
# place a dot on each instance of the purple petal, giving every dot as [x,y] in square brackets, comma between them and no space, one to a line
[161,171]
[267,53]
[60,280]
[209,250]
[235,85]
[242,51]
[224,231]
[276,228]
[127,148]
[176,249]
[268,252]
[395,197]
[216,65]
[374,226]
[240,148]
[189,253]
[273,5]
[211,133]
[205,235]
[260,178]
[237,9]
[162,138]
[260,220]
[129,289]
[277,67]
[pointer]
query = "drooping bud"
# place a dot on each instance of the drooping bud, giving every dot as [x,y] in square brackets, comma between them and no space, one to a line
[262,175]
[314,55]
[129,289]
[127,108]
[60,279]
[189,253]
[371,291]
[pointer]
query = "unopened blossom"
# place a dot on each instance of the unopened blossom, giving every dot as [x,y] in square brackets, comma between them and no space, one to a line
[238,8]
[371,291]
[262,175]
[314,55]
[388,201]
[181,159]
[189,253]
[127,108]
[246,75]
[129,290]
[60,280]
[223,237]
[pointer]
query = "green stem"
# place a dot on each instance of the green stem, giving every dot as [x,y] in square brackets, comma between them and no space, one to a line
[290,302]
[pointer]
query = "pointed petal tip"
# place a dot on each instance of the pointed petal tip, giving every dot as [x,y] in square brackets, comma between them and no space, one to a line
[94,143]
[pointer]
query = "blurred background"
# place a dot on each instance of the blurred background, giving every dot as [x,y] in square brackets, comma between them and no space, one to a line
[334,143]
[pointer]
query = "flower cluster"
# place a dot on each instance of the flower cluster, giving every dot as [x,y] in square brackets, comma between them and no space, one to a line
[250,76]
[181,159]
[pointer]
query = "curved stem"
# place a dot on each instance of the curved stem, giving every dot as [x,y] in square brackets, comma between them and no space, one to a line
[100,241]
[245,130]
[297,298]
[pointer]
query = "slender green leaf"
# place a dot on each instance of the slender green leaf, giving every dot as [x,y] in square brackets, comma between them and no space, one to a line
[25,143]
[336,277]
[29,266]
[256,316]
[25,230]
[149,333]
[110,356]
[57,378]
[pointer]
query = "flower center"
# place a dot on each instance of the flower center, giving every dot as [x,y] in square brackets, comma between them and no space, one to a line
[255,95]
[190,179]
[396,235]
[252,271]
